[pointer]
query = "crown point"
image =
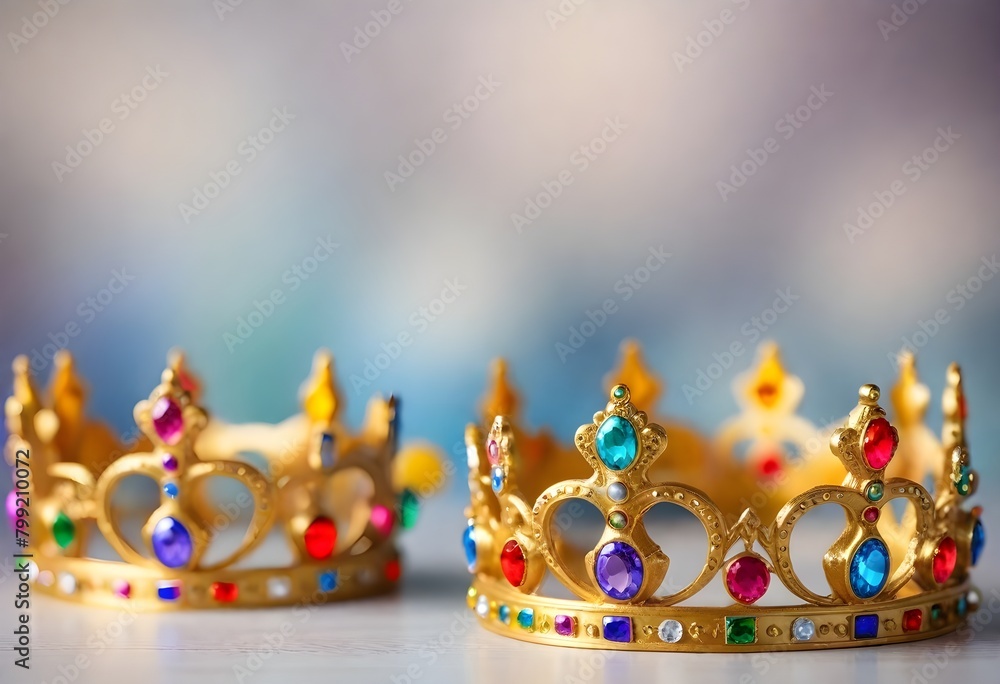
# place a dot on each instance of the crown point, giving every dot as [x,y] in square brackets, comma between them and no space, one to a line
[24,385]
[177,362]
[320,397]
[500,400]
[644,386]
[869,394]
[909,396]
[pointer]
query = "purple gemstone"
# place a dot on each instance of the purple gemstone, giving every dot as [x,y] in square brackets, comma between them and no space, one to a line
[172,543]
[12,510]
[617,628]
[564,625]
[619,571]
[169,462]
[168,420]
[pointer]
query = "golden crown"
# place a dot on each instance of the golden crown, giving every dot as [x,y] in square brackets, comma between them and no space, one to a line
[339,498]
[892,577]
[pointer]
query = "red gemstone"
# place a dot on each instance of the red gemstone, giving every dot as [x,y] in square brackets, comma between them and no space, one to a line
[493,452]
[768,394]
[770,465]
[747,579]
[912,619]
[168,421]
[944,560]
[963,408]
[393,570]
[512,562]
[880,443]
[225,592]
[320,538]
[871,514]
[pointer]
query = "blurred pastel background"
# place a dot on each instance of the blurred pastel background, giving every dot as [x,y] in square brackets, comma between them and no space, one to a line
[493,104]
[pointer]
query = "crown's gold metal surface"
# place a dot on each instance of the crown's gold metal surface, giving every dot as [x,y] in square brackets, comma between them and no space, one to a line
[337,498]
[890,580]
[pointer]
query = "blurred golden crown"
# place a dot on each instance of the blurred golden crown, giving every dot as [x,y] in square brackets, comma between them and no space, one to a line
[339,498]
[890,579]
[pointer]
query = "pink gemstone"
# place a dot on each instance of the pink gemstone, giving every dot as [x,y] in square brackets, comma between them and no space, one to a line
[493,452]
[747,579]
[871,514]
[880,443]
[12,510]
[169,462]
[121,588]
[168,420]
[383,519]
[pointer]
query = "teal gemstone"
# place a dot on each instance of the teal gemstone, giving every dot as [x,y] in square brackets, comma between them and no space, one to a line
[503,613]
[526,618]
[963,485]
[869,568]
[617,444]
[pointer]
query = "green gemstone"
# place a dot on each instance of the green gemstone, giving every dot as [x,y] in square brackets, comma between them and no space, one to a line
[936,612]
[409,508]
[963,485]
[617,520]
[619,392]
[63,530]
[741,630]
[876,490]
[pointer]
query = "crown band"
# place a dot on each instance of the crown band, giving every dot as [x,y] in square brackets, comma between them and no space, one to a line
[891,580]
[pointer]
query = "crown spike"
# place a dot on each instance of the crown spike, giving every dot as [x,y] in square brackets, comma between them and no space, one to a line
[909,396]
[68,399]
[25,391]
[643,384]
[188,381]
[320,397]
[500,399]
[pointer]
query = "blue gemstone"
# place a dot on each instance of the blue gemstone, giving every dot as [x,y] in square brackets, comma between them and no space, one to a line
[978,540]
[328,581]
[526,618]
[503,613]
[326,458]
[469,543]
[865,626]
[172,542]
[617,443]
[617,628]
[961,606]
[497,479]
[869,568]
[169,590]
[170,489]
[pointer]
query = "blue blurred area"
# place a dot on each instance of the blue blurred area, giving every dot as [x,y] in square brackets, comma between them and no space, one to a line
[446,231]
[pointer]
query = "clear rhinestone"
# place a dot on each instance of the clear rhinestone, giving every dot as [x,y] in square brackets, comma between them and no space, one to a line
[46,578]
[32,571]
[67,583]
[472,456]
[617,491]
[671,631]
[278,587]
[803,629]
[482,606]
